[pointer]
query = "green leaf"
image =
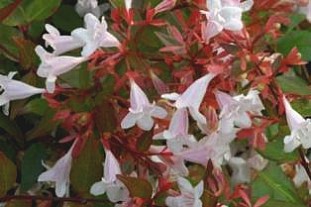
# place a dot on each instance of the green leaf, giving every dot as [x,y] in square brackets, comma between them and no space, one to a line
[137,187]
[4,3]
[44,126]
[80,77]
[291,83]
[38,106]
[274,151]
[299,39]
[10,127]
[273,182]
[87,168]
[73,20]
[31,165]
[32,10]
[6,41]
[8,174]
[302,106]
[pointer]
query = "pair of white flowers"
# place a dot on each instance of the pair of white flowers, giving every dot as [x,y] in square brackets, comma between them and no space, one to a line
[59,174]
[90,38]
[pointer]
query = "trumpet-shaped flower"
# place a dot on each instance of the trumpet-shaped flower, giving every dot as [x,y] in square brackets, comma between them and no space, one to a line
[94,35]
[141,110]
[177,134]
[52,66]
[234,110]
[87,6]
[60,174]
[300,129]
[189,196]
[192,97]
[214,147]
[109,184]
[14,90]
[224,14]
[60,43]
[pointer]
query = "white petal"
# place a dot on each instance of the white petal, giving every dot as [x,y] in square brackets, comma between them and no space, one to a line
[138,98]
[294,119]
[194,94]
[184,186]
[198,190]
[6,109]
[290,143]
[170,96]
[98,188]
[224,99]
[109,41]
[111,167]
[174,201]
[129,120]
[246,5]
[211,29]
[179,123]
[145,123]
[117,192]
[50,83]
[158,112]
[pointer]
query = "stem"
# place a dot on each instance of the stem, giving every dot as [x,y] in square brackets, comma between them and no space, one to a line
[304,162]
[54,199]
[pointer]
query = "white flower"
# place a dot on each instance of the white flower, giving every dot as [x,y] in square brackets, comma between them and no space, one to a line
[14,90]
[141,110]
[60,43]
[52,66]
[214,147]
[306,10]
[224,14]
[189,197]
[60,174]
[192,97]
[94,35]
[301,177]
[177,135]
[234,110]
[300,129]
[240,170]
[109,184]
[87,6]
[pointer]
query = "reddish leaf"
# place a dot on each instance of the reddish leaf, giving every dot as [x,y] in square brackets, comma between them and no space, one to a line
[138,187]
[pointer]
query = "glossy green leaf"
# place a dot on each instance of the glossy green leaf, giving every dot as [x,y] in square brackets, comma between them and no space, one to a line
[138,187]
[31,166]
[273,182]
[8,174]
[8,46]
[32,10]
[87,168]
[299,39]
[38,106]
[291,83]
[79,77]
